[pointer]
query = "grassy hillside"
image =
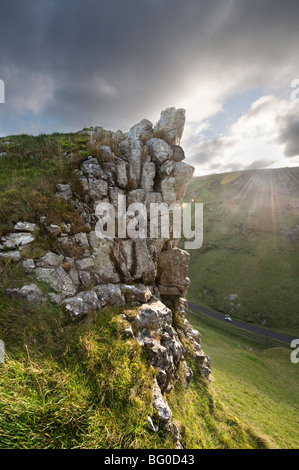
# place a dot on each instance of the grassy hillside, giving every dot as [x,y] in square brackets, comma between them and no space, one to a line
[249,263]
[82,384]
[254,379]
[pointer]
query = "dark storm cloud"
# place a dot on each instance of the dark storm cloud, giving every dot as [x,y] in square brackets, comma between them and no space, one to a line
[210,149]
[71,63]
[289,134]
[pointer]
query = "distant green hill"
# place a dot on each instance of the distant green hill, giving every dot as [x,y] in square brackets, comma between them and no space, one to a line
[248,265]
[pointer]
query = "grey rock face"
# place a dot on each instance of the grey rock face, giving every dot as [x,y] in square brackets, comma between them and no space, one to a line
[153,316]
[64,191]
[136,294]
[145,267]
[81,239]
[183,174]
[50,259]
[162,407]
[103,260]
[178,153]
[82,304]
[91,169]
[109,294]
[143,130]
[31,292]
[136,158]
[148,175]
[168,185]
[151,425]
[28,265]
[159,150]
[57,279]
[171,124]
[121,173]
[15,240]
[85,263]
[14,256]
[173,269]
[25,227]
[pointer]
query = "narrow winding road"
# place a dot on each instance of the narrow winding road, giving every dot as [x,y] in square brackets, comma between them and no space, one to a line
[240,324]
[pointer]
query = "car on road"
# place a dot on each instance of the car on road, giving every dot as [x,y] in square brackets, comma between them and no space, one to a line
[227,318]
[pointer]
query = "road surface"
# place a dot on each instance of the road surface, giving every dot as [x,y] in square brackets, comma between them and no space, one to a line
[245,326]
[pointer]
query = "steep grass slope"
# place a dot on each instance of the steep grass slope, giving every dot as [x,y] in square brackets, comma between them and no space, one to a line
[85,384]
[248,265]
[254,379]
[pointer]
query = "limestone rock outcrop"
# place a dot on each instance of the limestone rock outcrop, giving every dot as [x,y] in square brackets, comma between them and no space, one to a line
[87,271]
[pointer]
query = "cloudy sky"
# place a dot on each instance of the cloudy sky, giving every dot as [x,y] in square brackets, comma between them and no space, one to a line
[68,64]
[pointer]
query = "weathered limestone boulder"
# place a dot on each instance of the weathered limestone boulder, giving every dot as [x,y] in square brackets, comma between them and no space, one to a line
[159,150]
[173,268]
[81,239]
[57,279]
[121,173]
[178,153]
[91,169]
[109,294]
[171,125]
[53,229]
[107,155]
[136,294]
[103,261]
[15,240]
[14,256]
[168,190]
[137,195]
[85,263]
[31,292]
[166,169]
[169,291]
[124,263]
[188,373]
[97,298]
[143,130]
[144,267]
[64,191]
[192,333]
[164,352]
[183,174]
[152,198]
[25,227]
[162,407]
[129,332]
[50,259]
[114,193]
[28,265]
[97,188]
[148,175]
[151,426]
[171,341]
[82,304]
[153,316]
[136,158]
